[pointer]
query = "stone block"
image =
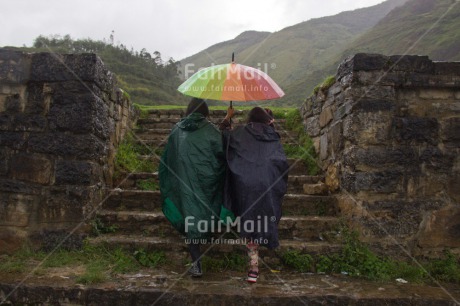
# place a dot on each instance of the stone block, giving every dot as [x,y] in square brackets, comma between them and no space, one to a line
[378,157]
[450,131]
[362,61]
[31,168]
[65,204]
[374,105]
[380,181]
[14,186]
[436,94]
[334,90]
[13,140]
[335,136]
[28,122]
[80,114]
[323,147]
[453,186]
[38,99]
[315,189]
[435,159]
[312,126]
[52,67]
[73,172]
[342,111]
[441,229]
[415,130]
[325,117]
[16,209]
[14,66]
[367,128]
[6,120]
[411,63]
[446,68]
[68,145]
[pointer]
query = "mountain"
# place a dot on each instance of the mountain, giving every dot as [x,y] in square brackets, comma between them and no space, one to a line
[296,57]
[425,27]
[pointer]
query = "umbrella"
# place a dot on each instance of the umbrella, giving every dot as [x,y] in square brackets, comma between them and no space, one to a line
[231,82]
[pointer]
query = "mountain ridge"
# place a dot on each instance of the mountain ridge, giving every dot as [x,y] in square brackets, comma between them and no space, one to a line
[295,52]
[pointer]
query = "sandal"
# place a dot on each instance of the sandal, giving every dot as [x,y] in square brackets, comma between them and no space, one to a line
[252,276]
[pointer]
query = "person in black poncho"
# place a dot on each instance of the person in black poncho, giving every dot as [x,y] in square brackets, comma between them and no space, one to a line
[256,181]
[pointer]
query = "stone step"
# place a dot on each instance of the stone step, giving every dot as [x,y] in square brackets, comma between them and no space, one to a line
[150,201]
[155,133]
[169,122]
[135,200]
[295,182]
[306,228]
[161,140]
[309,205]
[178,244]
[297,167]
[130,181]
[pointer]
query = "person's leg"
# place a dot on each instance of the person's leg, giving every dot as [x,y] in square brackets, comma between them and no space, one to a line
[253,254]
[195,253]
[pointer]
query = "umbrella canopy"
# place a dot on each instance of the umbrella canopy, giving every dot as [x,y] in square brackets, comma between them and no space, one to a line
[231,82]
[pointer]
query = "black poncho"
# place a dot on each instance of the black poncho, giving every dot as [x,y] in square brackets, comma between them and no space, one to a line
[256,181]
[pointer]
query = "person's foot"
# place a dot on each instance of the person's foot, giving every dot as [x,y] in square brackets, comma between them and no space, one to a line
[253,276]
[195,269]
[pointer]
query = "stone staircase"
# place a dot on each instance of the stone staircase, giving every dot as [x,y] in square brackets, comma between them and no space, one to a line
[309,224]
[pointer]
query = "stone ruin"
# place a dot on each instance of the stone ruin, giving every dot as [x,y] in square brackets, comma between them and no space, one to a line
[388,137]
[387,133]
[61,118]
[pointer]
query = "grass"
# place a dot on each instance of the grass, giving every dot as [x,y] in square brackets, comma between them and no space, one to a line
[98,227]
[357,260]
[234,262]
[98,261]
[325,85]
[148,184]
[305,149]
[128,157]
[279,112]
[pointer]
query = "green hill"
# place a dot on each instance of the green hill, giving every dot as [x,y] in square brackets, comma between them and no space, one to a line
[147,79]
[425,27]
[296,57]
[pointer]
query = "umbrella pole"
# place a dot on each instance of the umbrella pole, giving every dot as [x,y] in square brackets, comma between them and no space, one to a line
[231,106]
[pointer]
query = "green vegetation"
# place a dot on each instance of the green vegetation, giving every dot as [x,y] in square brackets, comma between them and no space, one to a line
[128,156]
[300,262]
[234,262]
[145,77]
[356,259]
[98,227]
[325,85]
[98,262]
[304,149]
[149,259]
[148,184]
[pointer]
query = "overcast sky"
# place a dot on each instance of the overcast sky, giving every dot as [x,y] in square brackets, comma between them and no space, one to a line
[176,28]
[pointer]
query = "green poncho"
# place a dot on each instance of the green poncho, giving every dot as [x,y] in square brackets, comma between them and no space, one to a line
[191,176]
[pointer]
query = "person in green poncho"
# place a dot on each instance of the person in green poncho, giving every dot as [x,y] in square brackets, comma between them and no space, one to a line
[191,174]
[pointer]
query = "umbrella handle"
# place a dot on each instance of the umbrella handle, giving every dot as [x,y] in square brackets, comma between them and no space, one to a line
[231,106]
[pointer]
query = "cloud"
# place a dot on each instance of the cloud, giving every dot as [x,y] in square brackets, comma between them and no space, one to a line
[176,28]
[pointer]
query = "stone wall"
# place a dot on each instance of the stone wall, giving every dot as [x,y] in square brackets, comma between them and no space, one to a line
[388,136]
[61,117]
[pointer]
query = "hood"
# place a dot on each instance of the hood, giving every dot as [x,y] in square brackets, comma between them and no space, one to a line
[192,122]
[262,131]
